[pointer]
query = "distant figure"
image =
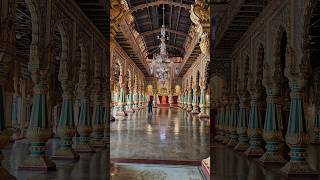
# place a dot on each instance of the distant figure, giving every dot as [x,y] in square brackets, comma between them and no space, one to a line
[150,106]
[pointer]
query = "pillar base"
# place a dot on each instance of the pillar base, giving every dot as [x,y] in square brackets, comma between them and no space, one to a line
[98,143]
[241,146]
[195,112]
[217,137]
[84,148]
[221,138]
[258,151]
[38,163]
[297,168]
[202,115]
[66,154]
[5,175]
[316,139]
[121,113]
[232,143]
[226,140]
[130,111]
[272,159]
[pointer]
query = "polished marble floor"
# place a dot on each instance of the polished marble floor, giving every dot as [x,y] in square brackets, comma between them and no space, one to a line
[125,171]
[232,165]
[89,167]
[167,134]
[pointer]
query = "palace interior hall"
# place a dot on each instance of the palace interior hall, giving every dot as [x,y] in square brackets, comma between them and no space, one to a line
[160,89]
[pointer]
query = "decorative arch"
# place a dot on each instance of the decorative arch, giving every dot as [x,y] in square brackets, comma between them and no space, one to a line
[34,12]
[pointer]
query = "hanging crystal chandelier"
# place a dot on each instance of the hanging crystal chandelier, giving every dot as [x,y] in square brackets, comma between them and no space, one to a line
[161,59]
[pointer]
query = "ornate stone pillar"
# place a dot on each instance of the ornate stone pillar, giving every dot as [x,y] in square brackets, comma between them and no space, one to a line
[255,125]
[316,84]
[97,119]
[130,100]
[202,103]
[171,99]
[121,101]
[97,115]
[227,119]
[189,108]
[316,130]
[243,122]
[84,127]
[272,132]
[186,99]
[39,128]
[297,136]
[66,125]
[234,115]
[195,105]
[135,97]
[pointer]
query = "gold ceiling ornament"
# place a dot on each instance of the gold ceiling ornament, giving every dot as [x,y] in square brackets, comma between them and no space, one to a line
[200,15]
[116,11]
[204,43]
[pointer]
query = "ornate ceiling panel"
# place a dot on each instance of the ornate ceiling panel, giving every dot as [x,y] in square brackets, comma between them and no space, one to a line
[234,19]
[97,12]
[148,16]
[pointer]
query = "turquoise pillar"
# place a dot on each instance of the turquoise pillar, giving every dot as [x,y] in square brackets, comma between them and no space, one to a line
[135,107]
[84,127]
[130,102]
[97,123]
[66,130]
[39,128]
[255,129]
[243,125]
[202,102]
[272,132]
[195,105]
[189,108]
[121,103]
[234,115]
[297,136]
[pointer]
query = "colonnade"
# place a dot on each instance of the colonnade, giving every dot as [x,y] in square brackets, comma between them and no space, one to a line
[265,110]
[59,82]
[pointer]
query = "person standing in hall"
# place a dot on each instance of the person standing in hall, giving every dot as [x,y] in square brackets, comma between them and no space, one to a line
[150,106]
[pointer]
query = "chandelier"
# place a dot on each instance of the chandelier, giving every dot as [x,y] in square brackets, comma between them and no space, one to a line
[161,59]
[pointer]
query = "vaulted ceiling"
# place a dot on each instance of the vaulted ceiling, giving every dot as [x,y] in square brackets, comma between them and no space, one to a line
[148,16]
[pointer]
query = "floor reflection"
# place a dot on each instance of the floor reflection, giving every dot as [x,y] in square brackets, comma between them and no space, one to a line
[167,134]
[90,166]
[231,165]
[130,171]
